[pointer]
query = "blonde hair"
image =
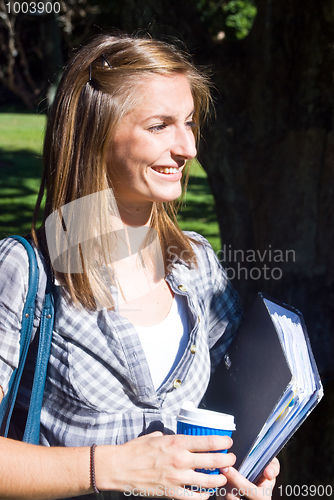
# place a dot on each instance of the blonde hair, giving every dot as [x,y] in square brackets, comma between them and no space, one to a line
[96,91]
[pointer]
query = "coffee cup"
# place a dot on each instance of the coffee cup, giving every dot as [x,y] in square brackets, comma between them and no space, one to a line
[199,422]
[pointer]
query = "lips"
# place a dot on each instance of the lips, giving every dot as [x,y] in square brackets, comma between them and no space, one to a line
[171,174]
[166,170]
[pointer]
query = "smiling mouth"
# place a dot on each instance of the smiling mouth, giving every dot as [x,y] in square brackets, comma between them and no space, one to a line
[166,170]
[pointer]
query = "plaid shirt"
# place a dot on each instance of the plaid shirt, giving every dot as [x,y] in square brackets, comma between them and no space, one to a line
[99,387]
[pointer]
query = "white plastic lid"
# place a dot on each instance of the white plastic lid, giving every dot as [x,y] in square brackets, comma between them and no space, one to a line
[206,418]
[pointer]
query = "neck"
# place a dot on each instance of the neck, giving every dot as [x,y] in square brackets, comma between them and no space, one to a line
[135,214]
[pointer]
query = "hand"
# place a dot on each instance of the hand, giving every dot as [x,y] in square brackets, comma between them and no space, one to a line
[239,487]
[160,465]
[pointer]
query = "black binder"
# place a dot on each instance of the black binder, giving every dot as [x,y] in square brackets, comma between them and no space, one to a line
[253,378]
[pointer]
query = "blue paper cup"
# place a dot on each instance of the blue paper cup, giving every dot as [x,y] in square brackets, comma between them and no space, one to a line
[198,422]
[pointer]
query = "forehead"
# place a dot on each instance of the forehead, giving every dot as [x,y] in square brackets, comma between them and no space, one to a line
[165,95]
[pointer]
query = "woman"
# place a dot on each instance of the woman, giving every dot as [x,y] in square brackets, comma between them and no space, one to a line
[142,309]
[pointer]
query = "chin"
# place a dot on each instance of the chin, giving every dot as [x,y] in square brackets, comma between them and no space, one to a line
[163,197]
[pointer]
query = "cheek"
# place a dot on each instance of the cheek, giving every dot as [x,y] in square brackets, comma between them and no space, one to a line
[132,153]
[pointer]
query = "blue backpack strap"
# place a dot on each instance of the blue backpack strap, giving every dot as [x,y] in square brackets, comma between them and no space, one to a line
[46,326]
[32,429]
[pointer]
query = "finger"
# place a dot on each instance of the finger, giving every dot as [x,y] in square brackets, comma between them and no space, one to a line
[241,487]
[200,480]
[272,470]
[213,460]
[237,485]
[205,443]
[152,434]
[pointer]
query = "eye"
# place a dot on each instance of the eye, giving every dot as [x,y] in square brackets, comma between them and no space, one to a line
[191,124]
[157,128]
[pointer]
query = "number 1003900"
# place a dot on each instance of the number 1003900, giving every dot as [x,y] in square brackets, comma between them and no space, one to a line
[306,491]
[33,7]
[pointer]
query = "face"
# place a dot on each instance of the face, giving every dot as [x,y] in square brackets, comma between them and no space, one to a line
[153,142]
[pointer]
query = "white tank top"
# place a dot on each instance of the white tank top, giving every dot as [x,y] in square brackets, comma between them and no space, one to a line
[165,343]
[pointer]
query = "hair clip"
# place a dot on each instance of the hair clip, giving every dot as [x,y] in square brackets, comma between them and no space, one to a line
[90,73]
[104,62]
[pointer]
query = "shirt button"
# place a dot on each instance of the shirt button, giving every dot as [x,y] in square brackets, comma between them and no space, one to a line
[177,382]
[182,288]
[193,349]
[199,318]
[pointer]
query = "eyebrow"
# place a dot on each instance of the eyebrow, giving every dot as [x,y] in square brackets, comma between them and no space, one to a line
[168,117]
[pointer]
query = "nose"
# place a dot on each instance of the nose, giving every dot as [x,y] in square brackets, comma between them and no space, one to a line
[184,145]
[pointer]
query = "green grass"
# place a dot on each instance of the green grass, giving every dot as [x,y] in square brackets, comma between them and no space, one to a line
[21,137]
[198,211]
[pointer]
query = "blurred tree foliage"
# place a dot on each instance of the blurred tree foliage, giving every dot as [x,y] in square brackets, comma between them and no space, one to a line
[34,46]
[231,19]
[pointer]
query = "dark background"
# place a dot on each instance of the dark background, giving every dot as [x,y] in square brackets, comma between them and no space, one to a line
[268,152]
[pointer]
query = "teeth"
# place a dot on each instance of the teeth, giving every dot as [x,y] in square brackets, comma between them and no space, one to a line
[167,170]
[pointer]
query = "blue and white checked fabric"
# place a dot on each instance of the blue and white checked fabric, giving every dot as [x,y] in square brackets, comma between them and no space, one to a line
[99,388]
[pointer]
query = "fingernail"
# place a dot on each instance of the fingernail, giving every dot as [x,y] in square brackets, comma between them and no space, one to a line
[225,470]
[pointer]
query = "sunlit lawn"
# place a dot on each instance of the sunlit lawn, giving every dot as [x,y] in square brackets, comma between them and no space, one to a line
[198,211]
[21,137]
